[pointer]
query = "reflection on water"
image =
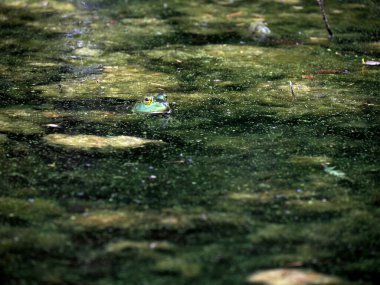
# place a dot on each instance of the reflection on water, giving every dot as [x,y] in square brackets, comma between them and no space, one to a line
[240,183]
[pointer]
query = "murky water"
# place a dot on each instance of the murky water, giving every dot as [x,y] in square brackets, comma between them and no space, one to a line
[241,177]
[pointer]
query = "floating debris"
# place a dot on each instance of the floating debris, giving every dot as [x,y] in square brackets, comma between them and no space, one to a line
[324,17]
[292,90]
[334,172]
[370,62]
[52,125]
[259,30]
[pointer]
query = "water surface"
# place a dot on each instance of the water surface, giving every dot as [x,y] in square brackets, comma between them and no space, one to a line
[241,177]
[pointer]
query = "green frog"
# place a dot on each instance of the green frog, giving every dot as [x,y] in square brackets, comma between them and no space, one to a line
[153,105]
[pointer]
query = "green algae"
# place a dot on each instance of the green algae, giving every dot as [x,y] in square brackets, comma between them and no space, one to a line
[237,182]
[29,211]
[97,142]
[3,138]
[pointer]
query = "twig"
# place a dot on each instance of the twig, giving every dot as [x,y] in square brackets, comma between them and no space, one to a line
[327,26]
[291,89]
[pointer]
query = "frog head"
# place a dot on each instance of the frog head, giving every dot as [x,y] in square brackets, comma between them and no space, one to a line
[153,105]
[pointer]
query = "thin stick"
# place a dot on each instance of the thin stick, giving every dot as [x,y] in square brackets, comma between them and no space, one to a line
[291,89]
[327,26]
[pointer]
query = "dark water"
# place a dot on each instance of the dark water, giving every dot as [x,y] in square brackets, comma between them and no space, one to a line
[240,178]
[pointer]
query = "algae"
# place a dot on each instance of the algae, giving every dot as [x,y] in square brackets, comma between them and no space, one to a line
[239,178]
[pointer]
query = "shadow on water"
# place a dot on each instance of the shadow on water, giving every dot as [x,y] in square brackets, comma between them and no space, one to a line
[102,104]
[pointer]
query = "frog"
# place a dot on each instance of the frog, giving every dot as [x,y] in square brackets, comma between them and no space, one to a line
[153,105]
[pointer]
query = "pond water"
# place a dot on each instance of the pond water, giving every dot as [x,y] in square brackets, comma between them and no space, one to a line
[241,177]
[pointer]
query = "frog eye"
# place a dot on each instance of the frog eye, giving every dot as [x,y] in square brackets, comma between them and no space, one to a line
[148,100]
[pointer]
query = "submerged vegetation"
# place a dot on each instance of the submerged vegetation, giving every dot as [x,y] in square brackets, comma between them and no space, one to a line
[241,184]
